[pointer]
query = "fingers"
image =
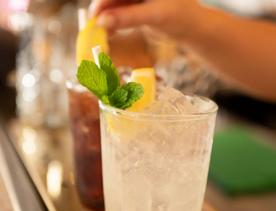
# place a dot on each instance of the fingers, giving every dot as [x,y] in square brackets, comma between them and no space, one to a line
[98,5]
[129,16]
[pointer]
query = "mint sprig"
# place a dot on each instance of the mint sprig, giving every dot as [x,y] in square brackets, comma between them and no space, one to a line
[104,82]
[112,75]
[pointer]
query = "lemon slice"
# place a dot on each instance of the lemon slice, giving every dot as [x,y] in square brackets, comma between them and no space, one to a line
[146,77]
[88,38]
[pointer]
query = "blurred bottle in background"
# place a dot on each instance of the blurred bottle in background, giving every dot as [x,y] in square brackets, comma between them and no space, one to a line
[46,55]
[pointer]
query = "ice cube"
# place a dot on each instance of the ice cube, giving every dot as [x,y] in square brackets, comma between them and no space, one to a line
[171,101]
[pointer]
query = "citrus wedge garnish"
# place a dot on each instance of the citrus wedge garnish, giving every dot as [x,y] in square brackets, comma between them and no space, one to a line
[90,36]
[124,127]
[146,77]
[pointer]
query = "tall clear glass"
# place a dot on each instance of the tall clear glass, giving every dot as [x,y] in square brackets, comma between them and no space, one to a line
[156,162]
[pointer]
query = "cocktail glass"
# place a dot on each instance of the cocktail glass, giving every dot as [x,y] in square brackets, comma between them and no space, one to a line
[157,160]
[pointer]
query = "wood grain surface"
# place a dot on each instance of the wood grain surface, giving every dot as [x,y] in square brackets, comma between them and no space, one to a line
[4,197]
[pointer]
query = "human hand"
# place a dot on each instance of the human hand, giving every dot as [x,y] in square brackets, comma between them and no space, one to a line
[177,18]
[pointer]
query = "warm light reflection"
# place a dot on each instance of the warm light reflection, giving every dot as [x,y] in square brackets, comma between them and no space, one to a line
[28,140]
[18,5]
[28,80]
[54,178]
[56,76]
[18,22]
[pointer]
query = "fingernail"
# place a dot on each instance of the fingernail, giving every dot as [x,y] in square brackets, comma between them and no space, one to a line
[106,21]
[91,10]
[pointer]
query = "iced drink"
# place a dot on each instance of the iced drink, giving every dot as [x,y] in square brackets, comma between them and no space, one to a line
[157,159]
[85,126]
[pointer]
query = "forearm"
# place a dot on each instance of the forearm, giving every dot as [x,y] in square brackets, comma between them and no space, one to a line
[240,49]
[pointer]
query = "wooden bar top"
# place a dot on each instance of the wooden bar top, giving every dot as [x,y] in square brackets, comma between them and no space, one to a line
[4,197]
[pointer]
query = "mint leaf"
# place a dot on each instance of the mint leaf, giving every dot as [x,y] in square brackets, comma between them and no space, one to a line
[123,97]
[105,99]
[135,92]
[112,76]
[104,82]
[118,98]
[93,78]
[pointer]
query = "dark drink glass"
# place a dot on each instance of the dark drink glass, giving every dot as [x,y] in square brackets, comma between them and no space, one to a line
[85,127]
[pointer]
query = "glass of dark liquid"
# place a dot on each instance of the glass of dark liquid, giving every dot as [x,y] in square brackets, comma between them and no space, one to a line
[85,127]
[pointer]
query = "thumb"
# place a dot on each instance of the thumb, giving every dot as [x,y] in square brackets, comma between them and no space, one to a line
[129,16]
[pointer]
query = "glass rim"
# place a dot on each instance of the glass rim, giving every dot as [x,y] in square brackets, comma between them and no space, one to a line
[163,117]
[73,84]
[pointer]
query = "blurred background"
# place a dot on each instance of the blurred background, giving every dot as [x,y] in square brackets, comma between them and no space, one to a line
[37,53]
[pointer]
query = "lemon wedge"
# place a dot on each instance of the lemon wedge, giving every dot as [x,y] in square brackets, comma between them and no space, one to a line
[90,36]
[125,127]
[146,77]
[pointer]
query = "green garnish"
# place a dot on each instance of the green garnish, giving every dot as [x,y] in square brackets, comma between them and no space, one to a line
[104,82]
